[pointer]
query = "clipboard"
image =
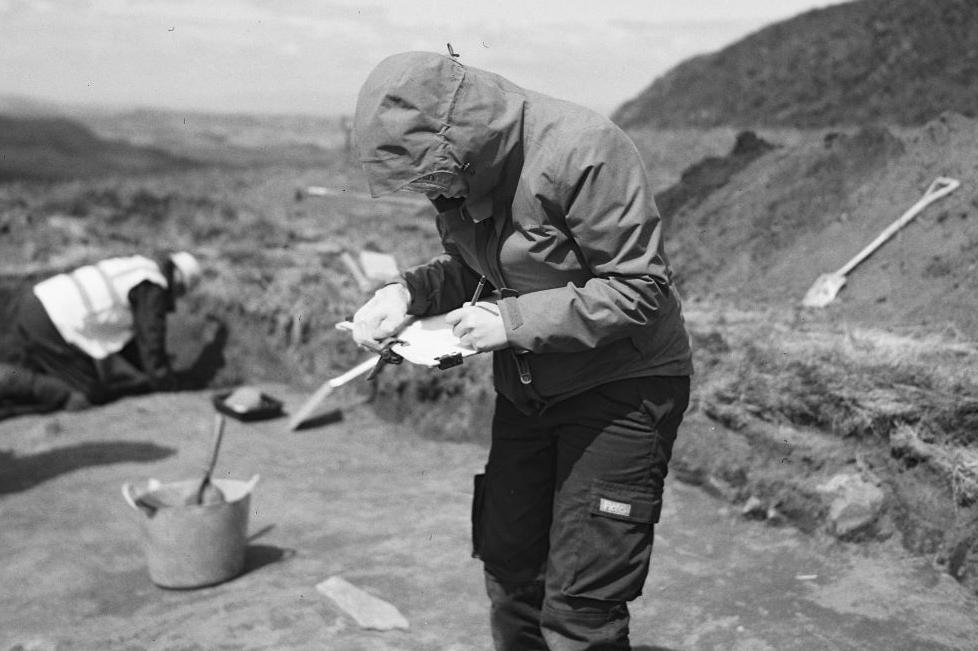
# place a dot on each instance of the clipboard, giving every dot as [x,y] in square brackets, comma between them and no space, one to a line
[427,341]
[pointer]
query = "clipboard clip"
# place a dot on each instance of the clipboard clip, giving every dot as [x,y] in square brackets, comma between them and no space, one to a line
[448,361]
[387,356]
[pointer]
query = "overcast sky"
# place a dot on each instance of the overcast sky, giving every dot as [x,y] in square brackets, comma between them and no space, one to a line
[309,56]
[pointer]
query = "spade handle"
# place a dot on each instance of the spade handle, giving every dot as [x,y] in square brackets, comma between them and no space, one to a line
[940,187]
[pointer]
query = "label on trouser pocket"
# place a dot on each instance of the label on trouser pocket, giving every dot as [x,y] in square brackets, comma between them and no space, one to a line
[611,507]
[614,543]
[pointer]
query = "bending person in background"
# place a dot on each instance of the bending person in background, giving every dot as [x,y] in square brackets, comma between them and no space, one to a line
[94,334]
[591,361]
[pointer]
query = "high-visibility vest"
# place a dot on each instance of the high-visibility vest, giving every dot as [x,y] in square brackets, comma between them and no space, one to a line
[90,305]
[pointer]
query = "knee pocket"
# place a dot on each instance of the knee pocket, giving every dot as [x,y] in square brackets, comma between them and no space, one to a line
[613,543]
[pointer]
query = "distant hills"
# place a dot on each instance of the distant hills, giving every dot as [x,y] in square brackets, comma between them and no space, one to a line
[54,148]
[21,106]
[897,62]
[45,140]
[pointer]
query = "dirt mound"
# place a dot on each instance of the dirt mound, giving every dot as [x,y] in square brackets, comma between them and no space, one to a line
[880,61]
[794,213]
[709,174]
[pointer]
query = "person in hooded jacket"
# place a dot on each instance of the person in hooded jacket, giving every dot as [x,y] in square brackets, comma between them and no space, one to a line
[549,203]
[94,334]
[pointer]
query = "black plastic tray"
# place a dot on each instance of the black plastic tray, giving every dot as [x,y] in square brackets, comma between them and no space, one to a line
[269,408]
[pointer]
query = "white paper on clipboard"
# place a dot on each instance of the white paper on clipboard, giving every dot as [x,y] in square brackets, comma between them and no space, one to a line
[426,340]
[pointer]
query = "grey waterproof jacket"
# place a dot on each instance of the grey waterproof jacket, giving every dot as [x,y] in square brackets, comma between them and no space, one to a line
[559,217]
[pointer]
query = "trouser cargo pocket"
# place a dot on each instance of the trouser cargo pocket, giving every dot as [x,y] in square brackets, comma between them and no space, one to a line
[614,542]
[478,498]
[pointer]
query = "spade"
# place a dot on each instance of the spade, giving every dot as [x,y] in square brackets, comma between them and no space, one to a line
[827,286]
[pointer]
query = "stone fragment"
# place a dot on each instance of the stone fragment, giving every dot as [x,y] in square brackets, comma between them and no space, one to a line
[368,611]
[854,503]
[754,508]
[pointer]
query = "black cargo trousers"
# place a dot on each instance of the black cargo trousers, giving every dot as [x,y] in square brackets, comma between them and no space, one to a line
[44,350]
[563,517]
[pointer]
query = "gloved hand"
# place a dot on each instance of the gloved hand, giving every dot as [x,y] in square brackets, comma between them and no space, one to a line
[479,326]
[381,316]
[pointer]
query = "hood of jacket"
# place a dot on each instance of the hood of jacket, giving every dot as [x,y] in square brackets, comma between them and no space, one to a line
[420,112]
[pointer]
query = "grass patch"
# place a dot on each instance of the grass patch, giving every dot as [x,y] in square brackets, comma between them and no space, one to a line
[852,384]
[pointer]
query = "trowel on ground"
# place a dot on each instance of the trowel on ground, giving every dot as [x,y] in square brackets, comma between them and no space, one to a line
[309,406]
[827,286]
[372,365]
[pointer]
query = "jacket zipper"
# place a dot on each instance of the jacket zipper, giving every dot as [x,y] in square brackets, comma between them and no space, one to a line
[523,366]
[495,271]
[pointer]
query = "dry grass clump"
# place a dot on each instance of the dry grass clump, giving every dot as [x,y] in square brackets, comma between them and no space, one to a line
[455,404]
[852,384]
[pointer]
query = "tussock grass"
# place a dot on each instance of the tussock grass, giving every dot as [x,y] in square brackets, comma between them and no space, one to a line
[852,383]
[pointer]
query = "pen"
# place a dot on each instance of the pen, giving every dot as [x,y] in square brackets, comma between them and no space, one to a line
[478,290]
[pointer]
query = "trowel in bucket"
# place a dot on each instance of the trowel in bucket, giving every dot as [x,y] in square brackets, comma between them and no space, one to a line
[827,286]
[207,492]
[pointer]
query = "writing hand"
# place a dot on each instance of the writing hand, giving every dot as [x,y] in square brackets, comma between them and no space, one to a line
[479,326]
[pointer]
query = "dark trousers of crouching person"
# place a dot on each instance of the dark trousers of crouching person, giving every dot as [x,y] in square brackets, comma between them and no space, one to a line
[46,353]
[564,515]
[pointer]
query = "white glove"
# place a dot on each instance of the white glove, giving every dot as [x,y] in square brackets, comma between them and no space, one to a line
[381,316]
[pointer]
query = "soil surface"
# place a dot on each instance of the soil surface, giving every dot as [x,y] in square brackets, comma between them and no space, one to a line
[386,505]
[388,510]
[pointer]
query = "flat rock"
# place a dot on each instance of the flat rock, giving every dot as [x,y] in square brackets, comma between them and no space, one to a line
[855,503]
[369,611]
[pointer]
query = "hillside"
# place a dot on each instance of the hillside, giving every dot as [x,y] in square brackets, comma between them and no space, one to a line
[755,228]
[898,62]
[55,148]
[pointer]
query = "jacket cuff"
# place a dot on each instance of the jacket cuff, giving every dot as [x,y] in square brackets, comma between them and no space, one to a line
[416,306]
[509,310]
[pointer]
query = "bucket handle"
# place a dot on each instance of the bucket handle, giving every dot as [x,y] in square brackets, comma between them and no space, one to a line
[128,494]
[134,502]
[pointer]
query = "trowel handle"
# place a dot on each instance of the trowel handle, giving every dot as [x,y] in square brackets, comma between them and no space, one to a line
[353,373]
[219,422]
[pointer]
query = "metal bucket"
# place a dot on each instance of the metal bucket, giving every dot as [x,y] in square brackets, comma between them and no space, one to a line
[192,546]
